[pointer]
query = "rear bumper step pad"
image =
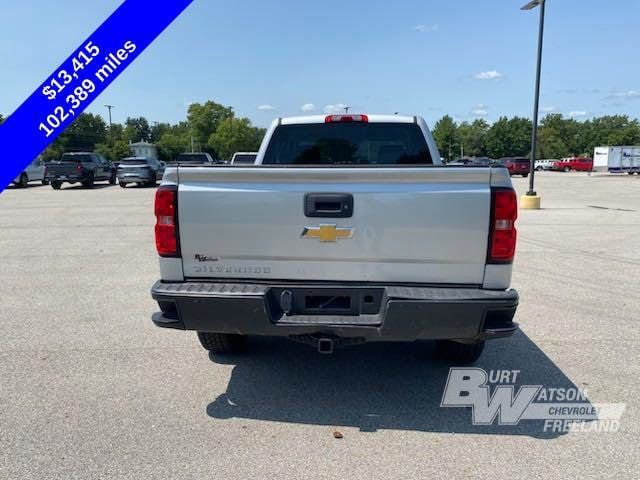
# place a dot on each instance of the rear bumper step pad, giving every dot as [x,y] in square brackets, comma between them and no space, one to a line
[386,313]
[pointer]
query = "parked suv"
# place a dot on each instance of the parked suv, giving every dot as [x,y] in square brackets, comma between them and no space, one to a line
[517,165]
[578,164]
[83,167]
[141,170]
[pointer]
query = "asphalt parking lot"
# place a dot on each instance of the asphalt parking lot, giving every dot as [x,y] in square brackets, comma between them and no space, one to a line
[91,389]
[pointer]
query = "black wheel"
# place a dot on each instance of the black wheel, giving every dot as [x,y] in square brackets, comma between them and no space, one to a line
[24,180]
[459,353]
[538,169]
[630,173]
[88,183]
[56,185]
[566,169]
[112,178]
[153,182]
[122,184]
[525,175]
[222,342]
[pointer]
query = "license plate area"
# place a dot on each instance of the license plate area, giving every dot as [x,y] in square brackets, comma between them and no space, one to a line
[325,301]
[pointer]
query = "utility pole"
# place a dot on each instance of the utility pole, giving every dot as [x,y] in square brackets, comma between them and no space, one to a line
[532,199]
[109,107]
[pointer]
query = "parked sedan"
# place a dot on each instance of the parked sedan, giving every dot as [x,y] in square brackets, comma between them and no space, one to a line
[141,170]
[33,173]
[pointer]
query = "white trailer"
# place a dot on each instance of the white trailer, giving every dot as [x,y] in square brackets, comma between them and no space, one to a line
[617,160]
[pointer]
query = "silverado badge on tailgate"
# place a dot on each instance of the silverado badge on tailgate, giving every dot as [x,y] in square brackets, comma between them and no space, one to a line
[327,232]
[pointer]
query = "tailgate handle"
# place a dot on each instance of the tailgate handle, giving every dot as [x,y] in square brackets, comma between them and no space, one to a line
[330,205]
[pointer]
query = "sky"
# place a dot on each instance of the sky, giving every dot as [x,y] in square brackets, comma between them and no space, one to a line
[268,59]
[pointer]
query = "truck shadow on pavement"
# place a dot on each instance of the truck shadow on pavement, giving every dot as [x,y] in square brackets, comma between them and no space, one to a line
[373,386]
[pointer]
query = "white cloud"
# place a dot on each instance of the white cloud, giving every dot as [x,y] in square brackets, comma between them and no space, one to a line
[480,110]
[422,28]
[308,107]
[266,108]
[335,108]
[629,94]
[549,109]
[488,75]
[578,113]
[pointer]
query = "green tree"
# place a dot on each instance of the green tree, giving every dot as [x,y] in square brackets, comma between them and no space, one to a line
[471,137]
[610,130]
[116,150]
[171,145]
[1,119]
[158,130]
[83,134]
[445,133]
[204,119]
[235,135]
[137,129]
[509,137]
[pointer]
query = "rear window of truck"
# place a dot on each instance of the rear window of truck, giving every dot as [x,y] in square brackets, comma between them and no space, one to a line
[75,158]
[134,161]
[347,143]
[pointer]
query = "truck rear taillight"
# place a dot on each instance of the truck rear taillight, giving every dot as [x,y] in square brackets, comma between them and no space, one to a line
[166,210]
[502,230]
[345,118]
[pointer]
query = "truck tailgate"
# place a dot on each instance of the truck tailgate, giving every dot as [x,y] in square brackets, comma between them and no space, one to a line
[408,224]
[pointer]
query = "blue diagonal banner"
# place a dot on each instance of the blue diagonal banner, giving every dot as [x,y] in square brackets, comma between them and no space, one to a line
[80,79]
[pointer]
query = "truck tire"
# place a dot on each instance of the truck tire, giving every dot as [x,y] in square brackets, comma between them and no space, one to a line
[153,182]
[566,169]
[123,184]
[459,353]
[88,183]
[112,178]
[222,342]
[56,184]
[24,180]
[525,175]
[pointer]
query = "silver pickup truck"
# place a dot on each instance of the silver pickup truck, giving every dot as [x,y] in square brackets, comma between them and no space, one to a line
[348,229]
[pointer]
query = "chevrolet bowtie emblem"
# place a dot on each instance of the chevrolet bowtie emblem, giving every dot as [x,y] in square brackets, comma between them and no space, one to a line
[327,232]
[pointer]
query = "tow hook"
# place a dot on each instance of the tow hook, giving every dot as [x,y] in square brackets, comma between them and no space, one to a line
[325,345]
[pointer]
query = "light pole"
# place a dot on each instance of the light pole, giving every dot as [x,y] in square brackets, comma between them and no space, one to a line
[531,199]
[109,107]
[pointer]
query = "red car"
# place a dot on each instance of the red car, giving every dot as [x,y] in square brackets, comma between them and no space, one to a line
[578,164]
[517,165]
